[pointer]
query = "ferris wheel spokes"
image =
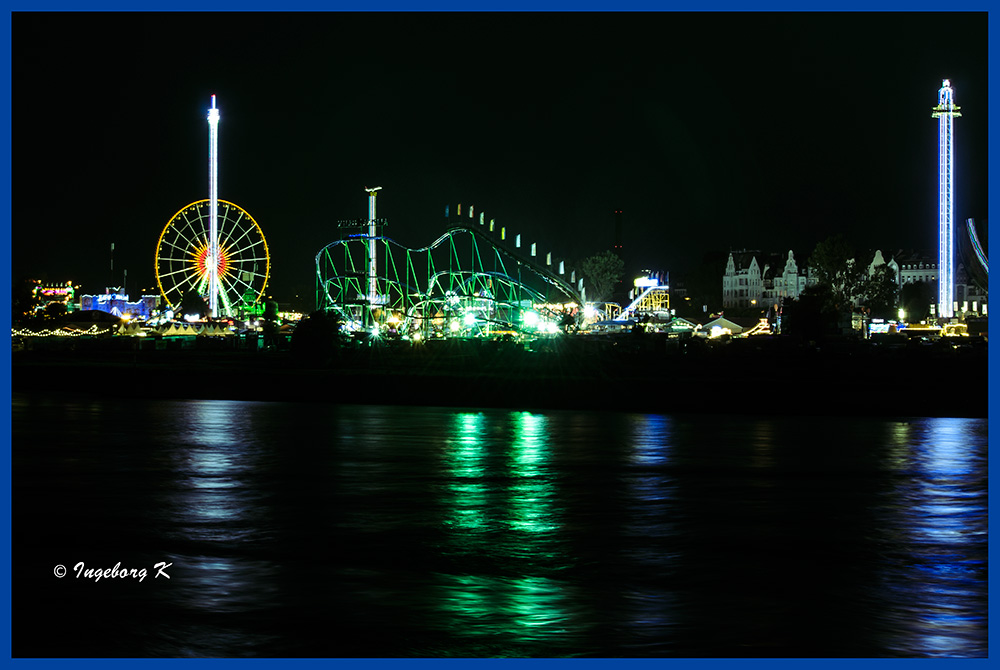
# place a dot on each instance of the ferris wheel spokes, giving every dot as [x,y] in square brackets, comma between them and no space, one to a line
[183,261]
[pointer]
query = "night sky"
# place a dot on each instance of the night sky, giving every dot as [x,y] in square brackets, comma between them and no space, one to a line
[710,132]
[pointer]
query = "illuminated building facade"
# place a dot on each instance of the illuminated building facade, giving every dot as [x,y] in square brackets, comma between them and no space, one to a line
[743,283]
[789,284]
[46,294]
[114,301]
[914,267]
[969,296]
[945,113]
[752,279]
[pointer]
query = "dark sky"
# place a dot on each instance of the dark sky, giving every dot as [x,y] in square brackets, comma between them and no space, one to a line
[711,132]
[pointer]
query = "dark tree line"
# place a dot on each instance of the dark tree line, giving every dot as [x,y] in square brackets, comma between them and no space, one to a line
[844,285]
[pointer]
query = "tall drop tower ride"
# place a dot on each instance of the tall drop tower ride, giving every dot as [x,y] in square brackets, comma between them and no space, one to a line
[945,113]
[213,248]
[372,255]
[212,262]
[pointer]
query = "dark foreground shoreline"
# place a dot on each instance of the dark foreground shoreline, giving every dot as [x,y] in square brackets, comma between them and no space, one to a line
[766,377]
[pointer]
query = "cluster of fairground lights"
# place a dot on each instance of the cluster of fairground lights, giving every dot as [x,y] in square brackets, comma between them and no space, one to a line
[161,328]
[211,260]
[66,331]
[471,321]
[946,111]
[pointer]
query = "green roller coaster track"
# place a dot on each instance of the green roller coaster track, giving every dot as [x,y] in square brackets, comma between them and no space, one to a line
[462,279]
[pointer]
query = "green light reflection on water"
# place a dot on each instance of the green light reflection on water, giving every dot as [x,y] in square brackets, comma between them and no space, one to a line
[465,464]
[498,603]
[532,491]
[537,601]
[512,616]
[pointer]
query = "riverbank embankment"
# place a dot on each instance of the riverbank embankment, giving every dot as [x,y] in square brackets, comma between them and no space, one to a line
[766,376]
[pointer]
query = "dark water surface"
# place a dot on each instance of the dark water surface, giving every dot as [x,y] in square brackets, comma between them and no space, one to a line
[375,531]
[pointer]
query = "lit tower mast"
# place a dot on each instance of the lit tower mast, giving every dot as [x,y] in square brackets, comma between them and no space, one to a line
[945,113]
[372,256]
[212,261]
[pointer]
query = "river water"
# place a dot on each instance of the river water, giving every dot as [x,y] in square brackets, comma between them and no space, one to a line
[315,530]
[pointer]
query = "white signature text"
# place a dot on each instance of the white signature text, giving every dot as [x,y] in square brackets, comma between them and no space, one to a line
[118,572]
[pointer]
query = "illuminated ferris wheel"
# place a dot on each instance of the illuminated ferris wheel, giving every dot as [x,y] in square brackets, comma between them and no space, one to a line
[242,264]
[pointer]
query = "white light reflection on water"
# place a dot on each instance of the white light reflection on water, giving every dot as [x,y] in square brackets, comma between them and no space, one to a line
[215,506]
[362,436]
[936,576]
[213,497]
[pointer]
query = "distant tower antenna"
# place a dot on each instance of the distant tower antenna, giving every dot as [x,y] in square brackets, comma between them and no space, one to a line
[618,232]
[945,113]
[213,210]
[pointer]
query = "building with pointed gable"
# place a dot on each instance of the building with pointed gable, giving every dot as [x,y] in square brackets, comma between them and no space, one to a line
[755,279]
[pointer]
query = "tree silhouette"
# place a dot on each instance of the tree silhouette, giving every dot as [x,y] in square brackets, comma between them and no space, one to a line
[916,298]
[601,272]
[316,338]
[24,300]
[193,303]
[879,293]
[271,327]
[833,265]
[811,316]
